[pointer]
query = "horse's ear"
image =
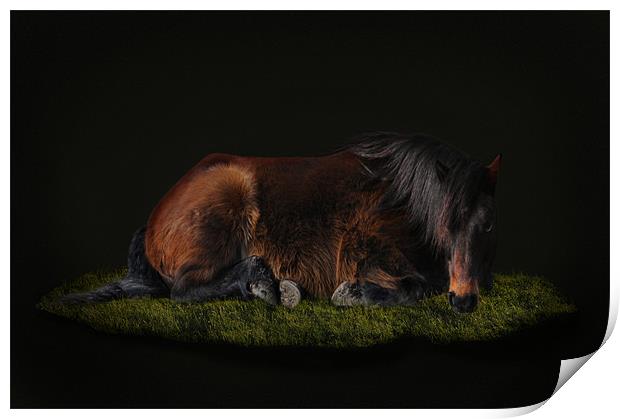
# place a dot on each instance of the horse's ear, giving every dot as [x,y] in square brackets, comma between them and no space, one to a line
[493,170]
[442,171]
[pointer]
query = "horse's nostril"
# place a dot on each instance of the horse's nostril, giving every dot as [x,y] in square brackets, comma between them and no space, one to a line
[472,302]
[451,296]
[464,304]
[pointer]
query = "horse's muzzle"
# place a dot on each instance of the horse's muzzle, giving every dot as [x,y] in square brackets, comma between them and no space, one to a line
[463,304]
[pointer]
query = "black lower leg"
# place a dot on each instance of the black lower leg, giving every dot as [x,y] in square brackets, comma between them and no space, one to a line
[408,291]
[246,279]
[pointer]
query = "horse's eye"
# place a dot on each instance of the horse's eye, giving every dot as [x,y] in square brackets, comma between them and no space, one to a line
[488,228]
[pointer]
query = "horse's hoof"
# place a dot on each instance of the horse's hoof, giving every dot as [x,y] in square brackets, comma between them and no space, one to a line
[348,294]
[290,295]
[265,290]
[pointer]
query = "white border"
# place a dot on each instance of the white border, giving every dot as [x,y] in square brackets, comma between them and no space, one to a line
[309,5]
[593,392]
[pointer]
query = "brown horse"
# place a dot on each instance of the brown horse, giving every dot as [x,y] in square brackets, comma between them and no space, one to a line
[384,221]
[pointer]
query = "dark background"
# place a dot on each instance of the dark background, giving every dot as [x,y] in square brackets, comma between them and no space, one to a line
[109,109]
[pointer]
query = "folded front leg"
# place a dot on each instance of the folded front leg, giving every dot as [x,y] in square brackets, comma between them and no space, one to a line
[407,291]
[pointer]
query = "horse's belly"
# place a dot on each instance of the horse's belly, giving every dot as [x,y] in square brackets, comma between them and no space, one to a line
[301,251]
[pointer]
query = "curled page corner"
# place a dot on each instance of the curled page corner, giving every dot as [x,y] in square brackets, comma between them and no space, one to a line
[517,411]
[569,367]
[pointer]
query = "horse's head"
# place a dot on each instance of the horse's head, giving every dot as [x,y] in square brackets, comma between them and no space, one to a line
[448,199]
[472,243]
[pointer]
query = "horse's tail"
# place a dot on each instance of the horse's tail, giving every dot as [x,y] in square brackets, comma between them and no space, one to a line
[141,279]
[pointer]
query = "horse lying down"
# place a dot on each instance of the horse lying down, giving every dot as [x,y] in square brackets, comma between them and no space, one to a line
[384,221]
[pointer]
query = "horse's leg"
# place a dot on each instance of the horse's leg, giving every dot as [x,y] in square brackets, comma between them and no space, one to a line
[405,291]
[380,275]
[249,278]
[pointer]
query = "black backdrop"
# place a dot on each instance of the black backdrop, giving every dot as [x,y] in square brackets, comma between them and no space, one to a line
[109,109]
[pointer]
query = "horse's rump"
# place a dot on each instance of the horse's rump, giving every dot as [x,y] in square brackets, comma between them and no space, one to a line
[205,221]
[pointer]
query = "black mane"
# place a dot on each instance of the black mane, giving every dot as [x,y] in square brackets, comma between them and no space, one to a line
[432,182]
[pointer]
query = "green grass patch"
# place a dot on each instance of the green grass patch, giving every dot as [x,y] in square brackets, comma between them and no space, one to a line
[516,302]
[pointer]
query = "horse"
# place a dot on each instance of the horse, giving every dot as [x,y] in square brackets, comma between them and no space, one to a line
[385,220]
